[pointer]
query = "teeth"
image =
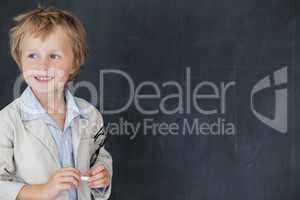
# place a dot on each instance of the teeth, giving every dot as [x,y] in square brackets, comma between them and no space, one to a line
[43,78]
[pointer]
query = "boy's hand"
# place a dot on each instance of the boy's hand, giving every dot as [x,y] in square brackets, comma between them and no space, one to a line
[99,177]
[62,180]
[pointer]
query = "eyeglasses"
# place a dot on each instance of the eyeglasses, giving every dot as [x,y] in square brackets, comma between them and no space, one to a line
[102,136]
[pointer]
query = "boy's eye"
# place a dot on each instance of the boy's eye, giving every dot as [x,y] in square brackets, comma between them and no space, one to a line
[54,56]
[32,55]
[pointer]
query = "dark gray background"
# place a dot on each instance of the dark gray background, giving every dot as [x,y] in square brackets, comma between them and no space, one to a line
[156,40]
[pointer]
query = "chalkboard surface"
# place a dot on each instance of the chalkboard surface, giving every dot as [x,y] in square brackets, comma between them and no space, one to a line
[240,57]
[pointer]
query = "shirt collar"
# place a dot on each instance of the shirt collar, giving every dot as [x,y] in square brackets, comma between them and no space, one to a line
[72,108]
[32,109]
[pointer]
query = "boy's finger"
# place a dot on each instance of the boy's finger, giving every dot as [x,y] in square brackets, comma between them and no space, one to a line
[97,169]
[71,169]
[99,183]
[98,176]
[70,173]
[85,174]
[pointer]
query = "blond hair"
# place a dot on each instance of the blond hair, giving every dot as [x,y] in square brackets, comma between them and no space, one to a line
[42,22]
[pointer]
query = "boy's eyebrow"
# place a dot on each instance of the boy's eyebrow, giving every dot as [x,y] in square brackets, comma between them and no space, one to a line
[52,50]
[30,49]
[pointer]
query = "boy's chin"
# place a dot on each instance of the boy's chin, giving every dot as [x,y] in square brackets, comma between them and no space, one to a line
[45,88]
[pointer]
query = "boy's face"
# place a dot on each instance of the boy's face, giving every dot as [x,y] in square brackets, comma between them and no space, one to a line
[47,64]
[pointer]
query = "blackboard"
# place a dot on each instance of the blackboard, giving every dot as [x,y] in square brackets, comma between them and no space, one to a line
[218,43]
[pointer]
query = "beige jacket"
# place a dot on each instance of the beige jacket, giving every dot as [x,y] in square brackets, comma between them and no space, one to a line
[28,154]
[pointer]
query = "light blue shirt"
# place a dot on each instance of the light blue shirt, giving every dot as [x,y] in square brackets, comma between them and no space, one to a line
[62,138]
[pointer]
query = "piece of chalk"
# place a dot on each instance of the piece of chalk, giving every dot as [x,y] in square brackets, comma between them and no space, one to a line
[84,178]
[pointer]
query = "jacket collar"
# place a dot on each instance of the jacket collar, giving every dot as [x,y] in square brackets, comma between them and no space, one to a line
[31,108]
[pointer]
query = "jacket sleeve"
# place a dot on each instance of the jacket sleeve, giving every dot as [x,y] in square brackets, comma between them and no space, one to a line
[104,158]
[9,185]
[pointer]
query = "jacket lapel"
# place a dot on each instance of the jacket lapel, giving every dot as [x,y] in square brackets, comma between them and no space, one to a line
[40,131]
[79,134]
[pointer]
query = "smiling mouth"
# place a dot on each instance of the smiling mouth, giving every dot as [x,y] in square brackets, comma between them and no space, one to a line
[43,78]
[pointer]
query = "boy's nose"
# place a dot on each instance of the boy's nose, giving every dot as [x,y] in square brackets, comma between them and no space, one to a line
[44,64]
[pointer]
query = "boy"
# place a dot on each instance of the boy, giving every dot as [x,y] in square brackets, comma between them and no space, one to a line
[47,136]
